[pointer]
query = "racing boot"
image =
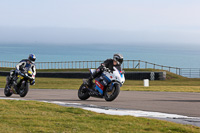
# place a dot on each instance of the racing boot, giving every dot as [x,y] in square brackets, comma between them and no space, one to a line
[10,78]
[89,82]
[9,82]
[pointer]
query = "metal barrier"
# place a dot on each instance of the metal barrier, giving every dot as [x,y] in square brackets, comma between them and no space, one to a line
[128,64]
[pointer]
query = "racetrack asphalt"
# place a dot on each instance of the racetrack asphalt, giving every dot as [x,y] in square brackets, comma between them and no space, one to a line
[181,103]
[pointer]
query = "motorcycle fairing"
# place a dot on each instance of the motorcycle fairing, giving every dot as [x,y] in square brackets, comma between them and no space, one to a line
[99,86]
[92,70]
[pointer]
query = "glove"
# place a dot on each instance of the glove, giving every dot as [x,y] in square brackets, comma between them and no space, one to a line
[32,82]
[108,70]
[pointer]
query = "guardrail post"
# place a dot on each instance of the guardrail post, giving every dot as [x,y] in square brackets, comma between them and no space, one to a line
[75,64]
[87,64]
[139,64]
[128,64]
[145,65]
[199,73]
[176,70]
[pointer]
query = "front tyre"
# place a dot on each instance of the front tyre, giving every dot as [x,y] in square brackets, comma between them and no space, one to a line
[83,92]
[7,89]
[24,89]
[111,95]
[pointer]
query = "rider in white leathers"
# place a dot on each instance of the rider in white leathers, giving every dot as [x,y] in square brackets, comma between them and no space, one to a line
[20,68]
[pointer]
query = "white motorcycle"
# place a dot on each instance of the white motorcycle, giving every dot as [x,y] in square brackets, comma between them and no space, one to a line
[107,85]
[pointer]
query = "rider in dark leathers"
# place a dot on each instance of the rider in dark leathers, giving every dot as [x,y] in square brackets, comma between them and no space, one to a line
[109,63]
[20,68]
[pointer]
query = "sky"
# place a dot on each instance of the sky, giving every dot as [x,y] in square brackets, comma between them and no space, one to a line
[158,22]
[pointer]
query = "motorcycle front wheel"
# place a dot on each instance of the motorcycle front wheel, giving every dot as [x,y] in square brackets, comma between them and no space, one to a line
[7,89]
[111,95]
[24,89]
[83,93]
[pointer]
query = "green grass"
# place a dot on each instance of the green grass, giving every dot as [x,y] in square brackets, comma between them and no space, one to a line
[172,85]
[32,116]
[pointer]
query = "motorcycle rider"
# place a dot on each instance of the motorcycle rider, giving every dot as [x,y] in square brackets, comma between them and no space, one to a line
[20,68]
[109,63]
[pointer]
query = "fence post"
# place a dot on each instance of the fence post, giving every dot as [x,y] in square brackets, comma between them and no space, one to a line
[145,65]
[128,64]
[139,64]
[87,64]
[199,73]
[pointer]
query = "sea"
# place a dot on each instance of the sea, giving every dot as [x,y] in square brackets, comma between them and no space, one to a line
[168,55]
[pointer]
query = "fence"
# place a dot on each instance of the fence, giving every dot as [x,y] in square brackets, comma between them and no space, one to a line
[128,64]
[190,72]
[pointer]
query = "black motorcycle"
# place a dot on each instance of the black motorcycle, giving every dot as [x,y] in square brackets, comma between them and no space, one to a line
[20,83]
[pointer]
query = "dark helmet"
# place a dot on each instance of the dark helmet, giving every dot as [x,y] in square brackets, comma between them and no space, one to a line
[118,58]
[32,58]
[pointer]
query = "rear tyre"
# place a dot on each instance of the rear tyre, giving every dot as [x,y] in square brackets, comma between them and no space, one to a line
[83,93]
[111,95]
[24,89]
[7,89]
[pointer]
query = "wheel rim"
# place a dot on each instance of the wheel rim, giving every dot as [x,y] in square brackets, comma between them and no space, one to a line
[110,93]
[7,89]
[22,89]
[82,91]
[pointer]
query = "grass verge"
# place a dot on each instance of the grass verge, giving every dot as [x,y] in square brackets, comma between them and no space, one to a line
[32,116]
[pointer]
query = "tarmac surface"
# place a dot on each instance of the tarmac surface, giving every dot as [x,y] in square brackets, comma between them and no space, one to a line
[181,103]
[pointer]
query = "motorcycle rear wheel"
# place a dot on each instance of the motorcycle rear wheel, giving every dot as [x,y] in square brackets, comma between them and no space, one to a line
[83,93]
[111,95]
